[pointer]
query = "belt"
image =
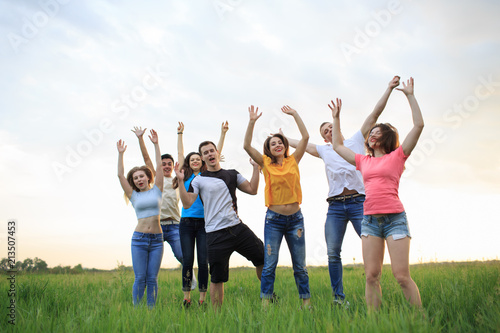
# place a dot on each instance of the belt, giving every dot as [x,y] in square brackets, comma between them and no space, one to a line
[344,197]
[168,221]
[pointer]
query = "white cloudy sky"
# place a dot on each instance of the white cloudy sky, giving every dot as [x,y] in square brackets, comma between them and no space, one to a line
[77,76]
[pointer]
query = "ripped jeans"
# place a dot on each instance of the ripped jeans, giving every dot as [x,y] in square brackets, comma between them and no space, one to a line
[292,227]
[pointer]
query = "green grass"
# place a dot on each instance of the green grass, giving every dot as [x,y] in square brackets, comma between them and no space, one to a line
[457,297]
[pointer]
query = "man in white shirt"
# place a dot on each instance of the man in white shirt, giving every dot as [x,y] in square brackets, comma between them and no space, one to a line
[225,231]
[346,190]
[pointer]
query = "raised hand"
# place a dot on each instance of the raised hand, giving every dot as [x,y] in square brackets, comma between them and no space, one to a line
[120,145]
[394,82]
[253,163]
[254,113]
[408,87]
[154,136]
[224,127]
[180,128]
[139,131]
[288,110]
[179,173]
[336,108]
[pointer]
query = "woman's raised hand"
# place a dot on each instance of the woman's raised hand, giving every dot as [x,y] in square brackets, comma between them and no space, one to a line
[288,110]
[154,136]
[394,82]
[336,108]
[180,128]
[139,131]
[408,87]
[254,113]
[120,145]
[224,127]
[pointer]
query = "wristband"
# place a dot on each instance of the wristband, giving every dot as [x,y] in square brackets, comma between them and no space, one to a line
[179,132]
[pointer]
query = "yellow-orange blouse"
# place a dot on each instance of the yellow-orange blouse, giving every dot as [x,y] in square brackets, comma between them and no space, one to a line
[282,182]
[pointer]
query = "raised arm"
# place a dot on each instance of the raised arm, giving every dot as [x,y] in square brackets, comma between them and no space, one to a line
[337,142]
[120,145]
[302,144]
[223,130]
[139,132]
[154,139]
[418,121]
[180,144]
[310,148]
[187,198]
[251,187]
[371,120]
[247,144]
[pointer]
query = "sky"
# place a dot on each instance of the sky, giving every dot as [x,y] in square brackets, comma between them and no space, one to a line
[78,76]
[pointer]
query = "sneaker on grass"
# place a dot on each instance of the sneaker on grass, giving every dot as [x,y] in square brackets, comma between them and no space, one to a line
[342,303]
[186,303]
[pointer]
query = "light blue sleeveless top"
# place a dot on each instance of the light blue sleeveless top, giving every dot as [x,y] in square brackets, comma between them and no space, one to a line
[146,203]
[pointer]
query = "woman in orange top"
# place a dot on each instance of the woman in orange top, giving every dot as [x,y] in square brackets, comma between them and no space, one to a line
[283,198]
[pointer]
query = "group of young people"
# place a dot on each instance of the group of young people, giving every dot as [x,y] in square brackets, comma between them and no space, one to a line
[363,189]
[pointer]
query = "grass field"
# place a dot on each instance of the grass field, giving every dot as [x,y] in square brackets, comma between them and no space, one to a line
[457,297]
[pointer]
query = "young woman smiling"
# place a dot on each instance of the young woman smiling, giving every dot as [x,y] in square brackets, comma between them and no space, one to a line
[283,196]
[144,192]
[384,219]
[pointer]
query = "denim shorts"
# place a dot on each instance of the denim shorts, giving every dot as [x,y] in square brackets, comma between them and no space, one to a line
[395,225]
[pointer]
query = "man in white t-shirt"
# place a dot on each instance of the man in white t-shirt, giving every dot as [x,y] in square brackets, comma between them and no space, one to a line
[346,190]
[225,231]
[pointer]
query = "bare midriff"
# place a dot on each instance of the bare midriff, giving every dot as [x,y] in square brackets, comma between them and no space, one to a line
[346,191]
[149,225]
[287,209]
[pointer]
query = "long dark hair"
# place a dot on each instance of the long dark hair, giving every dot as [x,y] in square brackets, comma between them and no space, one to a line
[188,171]
[267,149]
[389,139]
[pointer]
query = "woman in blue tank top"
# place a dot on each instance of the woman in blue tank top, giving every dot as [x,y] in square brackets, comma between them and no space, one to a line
[147,239]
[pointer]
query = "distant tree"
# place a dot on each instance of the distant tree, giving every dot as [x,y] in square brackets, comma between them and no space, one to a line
[4,264]
[19,265]
[39,265]
[27,265]
[61,270]
[77,269]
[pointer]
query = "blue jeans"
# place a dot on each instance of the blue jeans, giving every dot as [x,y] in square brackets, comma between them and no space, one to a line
[191,231]
[171,235]
[147,252]
[292,227]
[339,214]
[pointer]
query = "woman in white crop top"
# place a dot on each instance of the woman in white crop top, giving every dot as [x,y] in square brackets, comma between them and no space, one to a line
[384,217]
[147,239]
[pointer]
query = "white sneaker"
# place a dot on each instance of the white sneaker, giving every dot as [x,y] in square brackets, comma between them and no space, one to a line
[341,303]
[194,283]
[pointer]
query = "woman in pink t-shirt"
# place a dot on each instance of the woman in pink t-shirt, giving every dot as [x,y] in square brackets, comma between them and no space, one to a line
[384,215]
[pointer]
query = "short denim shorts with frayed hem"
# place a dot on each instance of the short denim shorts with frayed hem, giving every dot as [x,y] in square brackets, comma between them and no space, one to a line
[395,225]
